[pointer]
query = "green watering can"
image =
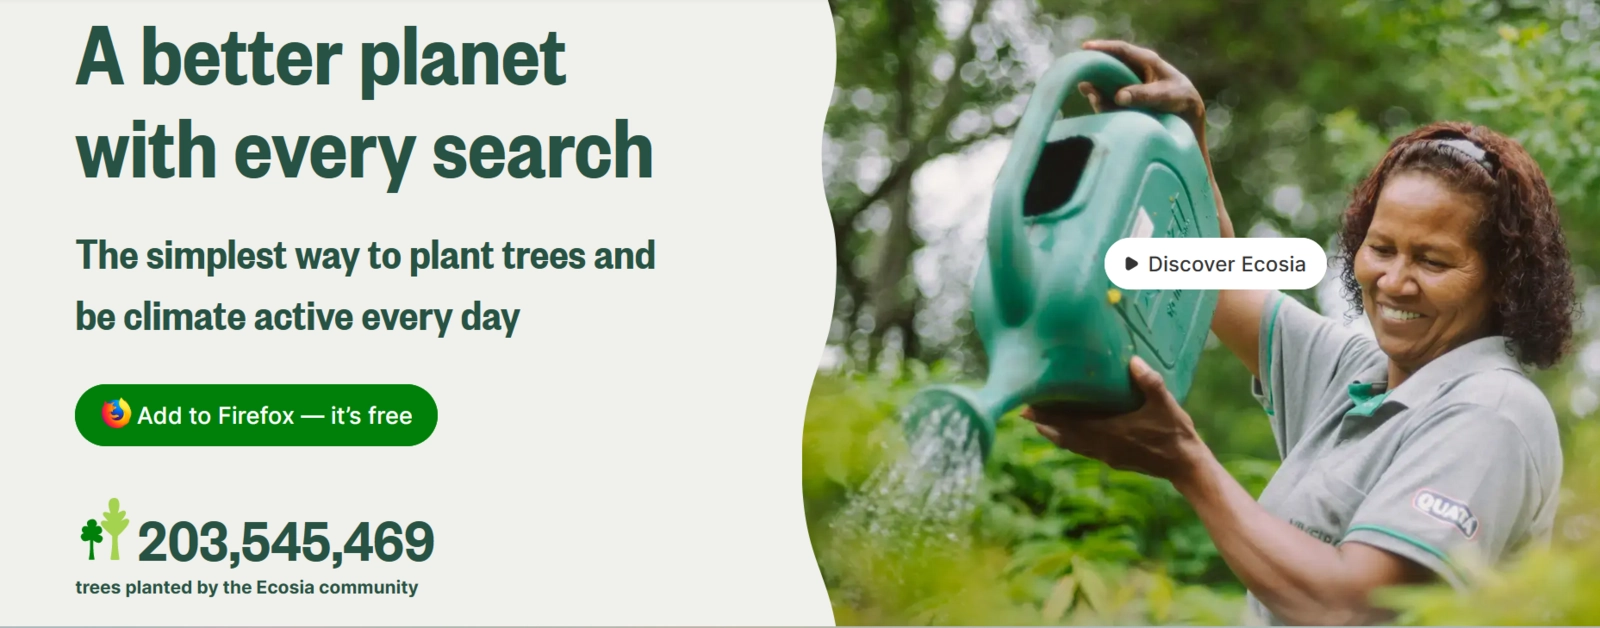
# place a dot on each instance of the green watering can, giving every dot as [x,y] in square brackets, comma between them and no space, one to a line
[1057,332]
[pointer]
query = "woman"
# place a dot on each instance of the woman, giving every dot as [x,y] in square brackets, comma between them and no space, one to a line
[1403,452]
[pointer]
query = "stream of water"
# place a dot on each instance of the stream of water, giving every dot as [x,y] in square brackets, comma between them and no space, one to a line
[921,501]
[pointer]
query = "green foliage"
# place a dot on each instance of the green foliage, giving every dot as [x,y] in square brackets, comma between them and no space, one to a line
[1060,539]
[1051,504]
[1056,538]
[1532,73]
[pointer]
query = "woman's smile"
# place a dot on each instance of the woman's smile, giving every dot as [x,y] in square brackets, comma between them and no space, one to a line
[1394,314]
[1402,326]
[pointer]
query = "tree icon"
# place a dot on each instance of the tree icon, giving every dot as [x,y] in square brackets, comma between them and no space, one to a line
[91,534]
[115,522]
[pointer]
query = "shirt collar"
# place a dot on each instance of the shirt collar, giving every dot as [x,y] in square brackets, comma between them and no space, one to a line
[1368,395]
[1484,354]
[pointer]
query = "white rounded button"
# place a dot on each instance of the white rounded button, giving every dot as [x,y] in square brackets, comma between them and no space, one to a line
[1215,263]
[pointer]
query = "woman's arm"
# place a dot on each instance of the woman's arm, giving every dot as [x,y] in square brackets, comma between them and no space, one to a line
[1237,323]
[1237,320]
[1299,578]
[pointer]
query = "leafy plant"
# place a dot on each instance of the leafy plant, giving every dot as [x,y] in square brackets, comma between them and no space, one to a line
[1055,537]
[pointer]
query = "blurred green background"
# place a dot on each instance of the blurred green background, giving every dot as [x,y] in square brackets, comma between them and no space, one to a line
[1302,98]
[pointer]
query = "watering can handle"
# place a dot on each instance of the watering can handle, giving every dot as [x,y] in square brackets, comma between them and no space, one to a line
[1010,259]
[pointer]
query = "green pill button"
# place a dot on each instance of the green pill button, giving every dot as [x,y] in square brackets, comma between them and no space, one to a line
[256,415]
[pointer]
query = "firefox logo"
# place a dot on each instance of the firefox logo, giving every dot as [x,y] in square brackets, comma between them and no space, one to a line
[115,413]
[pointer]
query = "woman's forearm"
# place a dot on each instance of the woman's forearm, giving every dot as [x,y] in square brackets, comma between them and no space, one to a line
[1300,579]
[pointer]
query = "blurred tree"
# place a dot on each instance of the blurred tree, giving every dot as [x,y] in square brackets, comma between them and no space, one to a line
[900,84]
[1530,69]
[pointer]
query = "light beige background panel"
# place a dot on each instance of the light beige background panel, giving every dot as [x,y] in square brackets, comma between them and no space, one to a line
[631,455]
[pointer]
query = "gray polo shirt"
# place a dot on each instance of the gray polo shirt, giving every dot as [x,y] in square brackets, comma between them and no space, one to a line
[1460,464]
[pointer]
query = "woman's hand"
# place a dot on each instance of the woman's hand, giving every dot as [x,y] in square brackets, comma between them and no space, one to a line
[1165,89]
[1158,439]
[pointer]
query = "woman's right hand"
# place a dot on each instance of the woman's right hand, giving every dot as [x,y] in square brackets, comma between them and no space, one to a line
[1165,89]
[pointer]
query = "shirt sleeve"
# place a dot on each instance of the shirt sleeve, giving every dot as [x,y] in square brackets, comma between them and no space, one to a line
[1303,354]
[1461,488]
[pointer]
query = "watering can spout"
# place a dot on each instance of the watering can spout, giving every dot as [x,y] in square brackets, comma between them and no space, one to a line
[956,415]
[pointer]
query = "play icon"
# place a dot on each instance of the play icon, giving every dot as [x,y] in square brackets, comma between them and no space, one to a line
[1130,264]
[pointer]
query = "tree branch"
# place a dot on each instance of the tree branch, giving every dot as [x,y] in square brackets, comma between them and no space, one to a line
[939,124]
[909,166]
[966,51]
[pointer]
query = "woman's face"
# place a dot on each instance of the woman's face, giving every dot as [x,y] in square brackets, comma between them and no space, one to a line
[1423,282]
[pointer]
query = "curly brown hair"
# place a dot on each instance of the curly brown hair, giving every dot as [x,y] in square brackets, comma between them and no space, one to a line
[1520,236]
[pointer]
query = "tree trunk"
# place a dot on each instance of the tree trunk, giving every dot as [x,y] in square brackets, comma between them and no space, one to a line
[910,343]
[114,555]
[889,304]
[890,307]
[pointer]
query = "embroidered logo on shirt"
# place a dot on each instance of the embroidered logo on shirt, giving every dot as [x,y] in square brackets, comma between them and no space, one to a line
[1448,510]
[1315,533]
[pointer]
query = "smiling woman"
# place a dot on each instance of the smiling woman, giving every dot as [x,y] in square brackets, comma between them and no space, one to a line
[1402,452]
[1455,235]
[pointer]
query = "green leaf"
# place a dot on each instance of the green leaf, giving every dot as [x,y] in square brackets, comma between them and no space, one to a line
[1061,596]
[1093,586]
[1159,597]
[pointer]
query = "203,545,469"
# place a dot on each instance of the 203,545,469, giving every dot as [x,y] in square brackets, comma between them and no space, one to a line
[183,544]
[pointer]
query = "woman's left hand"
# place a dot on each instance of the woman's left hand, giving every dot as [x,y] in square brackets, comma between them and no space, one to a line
[1158,439]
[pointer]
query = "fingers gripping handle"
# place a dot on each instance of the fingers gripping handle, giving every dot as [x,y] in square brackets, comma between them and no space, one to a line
[1103,71]
[1010,260]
